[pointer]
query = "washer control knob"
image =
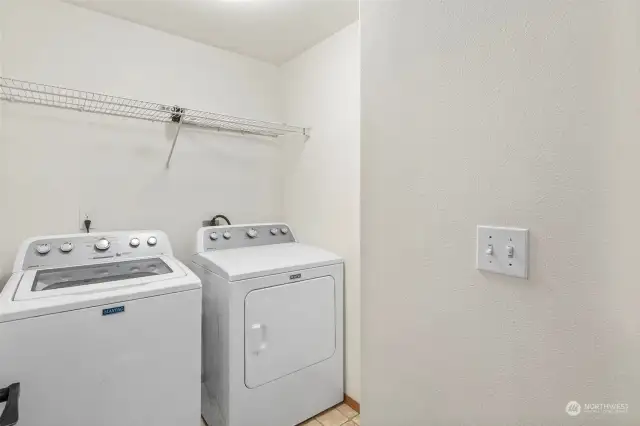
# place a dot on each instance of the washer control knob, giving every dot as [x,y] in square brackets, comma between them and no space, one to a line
[284,230]
[227,235]
[274,231]
[152,241]
[135,242]
[252,233]
[43,248]
[214,236]
[66,247]
[103,244]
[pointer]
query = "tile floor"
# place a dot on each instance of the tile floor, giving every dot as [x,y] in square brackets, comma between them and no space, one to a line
[341,415]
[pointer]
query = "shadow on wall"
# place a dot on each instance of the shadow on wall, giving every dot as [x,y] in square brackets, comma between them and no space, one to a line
[291,151]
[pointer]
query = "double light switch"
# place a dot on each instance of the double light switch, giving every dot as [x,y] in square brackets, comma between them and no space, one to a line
[503,250]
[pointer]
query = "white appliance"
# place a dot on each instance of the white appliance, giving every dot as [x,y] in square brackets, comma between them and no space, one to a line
[272,326]
[100,329]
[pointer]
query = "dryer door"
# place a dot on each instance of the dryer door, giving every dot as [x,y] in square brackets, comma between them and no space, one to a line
[287,328]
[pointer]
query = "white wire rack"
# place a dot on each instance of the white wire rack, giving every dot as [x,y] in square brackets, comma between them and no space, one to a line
[60,97]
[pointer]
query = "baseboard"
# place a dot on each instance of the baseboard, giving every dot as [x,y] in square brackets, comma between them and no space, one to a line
[352,403]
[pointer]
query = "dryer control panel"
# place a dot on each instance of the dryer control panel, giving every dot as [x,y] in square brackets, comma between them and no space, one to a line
[237,236]
[76,249]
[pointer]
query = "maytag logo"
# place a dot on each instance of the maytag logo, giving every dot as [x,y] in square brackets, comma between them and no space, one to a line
[114,310]
[295,276]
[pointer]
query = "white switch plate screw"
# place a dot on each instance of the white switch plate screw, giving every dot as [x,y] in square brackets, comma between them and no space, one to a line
[503,250]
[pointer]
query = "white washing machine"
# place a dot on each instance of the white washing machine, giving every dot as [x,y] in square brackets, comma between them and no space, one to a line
[272,326]
[100,329]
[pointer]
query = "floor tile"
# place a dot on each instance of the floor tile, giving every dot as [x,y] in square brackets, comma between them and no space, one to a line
[332,418]
[356,419]
[349,423]
[347,411]
[312,422]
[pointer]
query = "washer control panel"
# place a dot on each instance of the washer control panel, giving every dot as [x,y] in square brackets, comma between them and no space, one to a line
[237,236]
[62,250]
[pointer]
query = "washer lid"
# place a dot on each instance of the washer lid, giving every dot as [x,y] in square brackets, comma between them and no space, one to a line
[251,262]
[18,301]
[51,282]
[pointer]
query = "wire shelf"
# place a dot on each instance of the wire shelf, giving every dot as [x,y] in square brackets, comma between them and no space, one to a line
[60,97]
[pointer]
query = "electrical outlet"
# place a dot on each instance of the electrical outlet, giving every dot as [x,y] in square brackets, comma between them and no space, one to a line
[84,214]
[503,250]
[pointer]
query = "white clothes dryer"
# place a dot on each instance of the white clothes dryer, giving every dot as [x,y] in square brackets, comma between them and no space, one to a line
[272,326]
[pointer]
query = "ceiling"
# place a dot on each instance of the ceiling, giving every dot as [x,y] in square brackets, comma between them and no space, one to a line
[269,30]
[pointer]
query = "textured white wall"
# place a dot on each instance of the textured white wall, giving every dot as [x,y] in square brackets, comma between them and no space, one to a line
[502,112]
[54,162]
[321,89]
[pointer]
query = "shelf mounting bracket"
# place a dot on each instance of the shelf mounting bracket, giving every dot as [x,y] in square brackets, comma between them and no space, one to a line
[176,118]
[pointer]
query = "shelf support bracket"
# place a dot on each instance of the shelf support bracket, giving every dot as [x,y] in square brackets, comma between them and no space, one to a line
[177,118]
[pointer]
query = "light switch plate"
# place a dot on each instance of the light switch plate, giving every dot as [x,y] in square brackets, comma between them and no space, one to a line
[493,250]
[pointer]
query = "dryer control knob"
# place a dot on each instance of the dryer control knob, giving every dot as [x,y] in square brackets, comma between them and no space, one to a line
[43,248]
[152,241]
[284,230]
[252,233]
[214,236]
[274,231]
[135,242]
[227,235]
[66,247]
[102,244]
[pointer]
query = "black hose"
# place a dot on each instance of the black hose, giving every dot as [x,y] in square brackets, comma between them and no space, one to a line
[219,216]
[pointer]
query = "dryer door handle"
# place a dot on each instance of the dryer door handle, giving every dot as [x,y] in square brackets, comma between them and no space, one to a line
[10,395]
[257,339]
